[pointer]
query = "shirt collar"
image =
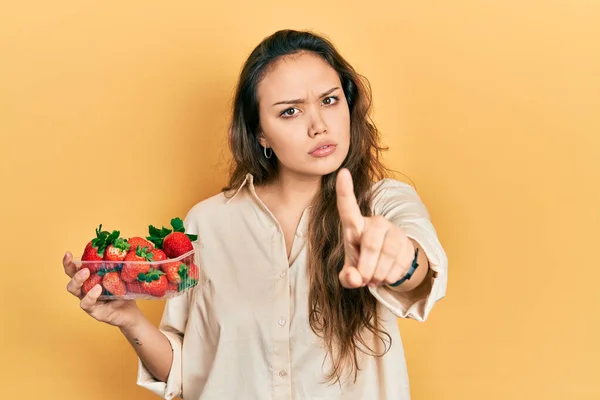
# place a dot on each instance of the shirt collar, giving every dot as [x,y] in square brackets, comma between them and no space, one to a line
[248,180]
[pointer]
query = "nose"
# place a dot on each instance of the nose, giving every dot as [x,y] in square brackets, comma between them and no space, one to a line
[318,125]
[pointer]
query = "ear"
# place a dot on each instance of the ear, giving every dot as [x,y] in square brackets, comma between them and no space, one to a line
[261,138]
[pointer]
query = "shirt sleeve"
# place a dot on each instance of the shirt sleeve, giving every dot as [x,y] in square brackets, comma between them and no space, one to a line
[400,204]
[173,325]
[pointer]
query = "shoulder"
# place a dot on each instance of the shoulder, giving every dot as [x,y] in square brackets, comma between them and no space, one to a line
[389,194]
[204,210]
[391,187]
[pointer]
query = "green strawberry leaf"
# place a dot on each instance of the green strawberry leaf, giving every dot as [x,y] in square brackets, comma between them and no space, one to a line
[192,237]
[153,231]
[122,244]
[157,241]
[177,225]
[182,271]
[157,236]
[110,239]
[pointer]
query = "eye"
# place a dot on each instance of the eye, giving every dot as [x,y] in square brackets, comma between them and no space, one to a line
[330,100]
[290,112]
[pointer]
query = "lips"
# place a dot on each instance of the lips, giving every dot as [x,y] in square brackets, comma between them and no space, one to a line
[321,146]
[323,151]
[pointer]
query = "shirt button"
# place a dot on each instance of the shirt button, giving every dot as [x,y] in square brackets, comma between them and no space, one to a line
[283,274]
[282,373]
[282,322]
[299,234]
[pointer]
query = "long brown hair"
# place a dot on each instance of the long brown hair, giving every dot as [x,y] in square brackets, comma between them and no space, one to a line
[338,315]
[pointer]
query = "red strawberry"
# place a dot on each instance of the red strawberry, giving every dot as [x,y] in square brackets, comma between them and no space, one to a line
[134,287]
[95,249]
[113,284]
[154,283]
[172,287]
[91,254]
[175,242]
[175,271]
[134,265]
[193,272]
[90,282]
[117,250]
[158,255]
[136,241]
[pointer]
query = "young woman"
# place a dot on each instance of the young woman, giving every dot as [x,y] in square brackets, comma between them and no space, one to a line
[307,256]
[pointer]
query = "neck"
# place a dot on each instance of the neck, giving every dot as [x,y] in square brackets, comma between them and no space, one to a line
[293,189]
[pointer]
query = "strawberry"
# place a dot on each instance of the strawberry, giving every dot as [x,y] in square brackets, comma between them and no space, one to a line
[172,287]
[177,244]
[133,264]
[116,251]
[193,272]
[174,242]
[90,282]
[91,254]
[136,241]
[189,277]
[154,283]
[94,250]
[113,284]
[175,271]
[180,274]
[158,255]
[134,287]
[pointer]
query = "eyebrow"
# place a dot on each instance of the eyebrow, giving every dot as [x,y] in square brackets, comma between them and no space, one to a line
[300,101]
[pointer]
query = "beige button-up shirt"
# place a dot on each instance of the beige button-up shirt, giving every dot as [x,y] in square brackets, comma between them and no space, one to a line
[243,332]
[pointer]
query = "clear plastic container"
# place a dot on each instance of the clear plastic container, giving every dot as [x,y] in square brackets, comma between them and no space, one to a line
[142,280]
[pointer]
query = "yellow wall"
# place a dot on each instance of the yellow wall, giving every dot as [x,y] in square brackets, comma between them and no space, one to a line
[490,108]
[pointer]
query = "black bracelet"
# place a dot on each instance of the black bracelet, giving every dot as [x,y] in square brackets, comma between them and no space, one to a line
[410,272]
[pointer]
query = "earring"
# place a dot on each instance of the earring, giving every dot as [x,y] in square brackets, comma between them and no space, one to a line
[270,153]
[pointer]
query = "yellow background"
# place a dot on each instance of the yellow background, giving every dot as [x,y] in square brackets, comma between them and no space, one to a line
[115,113]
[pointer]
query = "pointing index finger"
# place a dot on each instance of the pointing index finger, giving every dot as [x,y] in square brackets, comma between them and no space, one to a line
[347,204]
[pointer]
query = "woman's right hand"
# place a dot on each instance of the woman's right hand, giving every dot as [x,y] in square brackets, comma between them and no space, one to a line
[120,313]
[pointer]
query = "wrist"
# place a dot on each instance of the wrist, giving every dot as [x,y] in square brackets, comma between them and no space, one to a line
[420,273]
[413,267]
[130,324]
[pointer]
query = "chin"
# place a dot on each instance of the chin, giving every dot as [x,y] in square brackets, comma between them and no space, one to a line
[321,169]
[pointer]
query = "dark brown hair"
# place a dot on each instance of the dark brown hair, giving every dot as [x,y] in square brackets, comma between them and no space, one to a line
[340,316]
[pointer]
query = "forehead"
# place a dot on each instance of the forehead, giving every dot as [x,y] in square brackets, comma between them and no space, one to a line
[297,76]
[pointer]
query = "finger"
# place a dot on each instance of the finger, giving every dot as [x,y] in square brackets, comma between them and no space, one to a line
[74,285]
[89,301]
[371,244]
[350,278]
[69,266]
[347,204]
[390,250]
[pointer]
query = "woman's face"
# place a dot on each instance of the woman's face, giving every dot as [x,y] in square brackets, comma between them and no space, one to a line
[304,116]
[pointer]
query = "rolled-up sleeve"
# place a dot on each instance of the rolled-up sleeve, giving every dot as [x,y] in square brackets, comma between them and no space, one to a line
[400,204]
[172,325]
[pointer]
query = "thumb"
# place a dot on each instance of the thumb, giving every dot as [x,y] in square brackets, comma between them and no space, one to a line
[350,278]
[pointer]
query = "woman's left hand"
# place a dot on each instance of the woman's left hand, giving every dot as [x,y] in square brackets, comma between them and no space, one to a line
[376,251]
